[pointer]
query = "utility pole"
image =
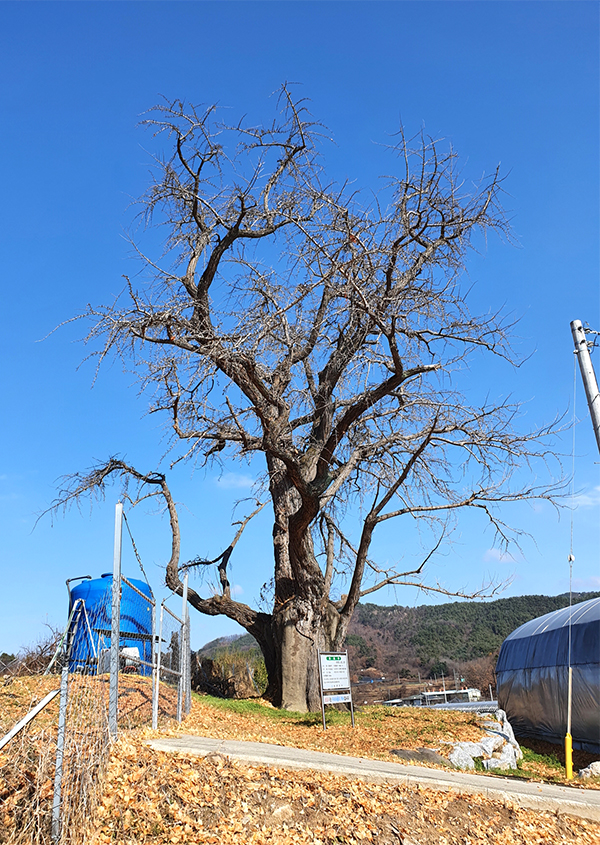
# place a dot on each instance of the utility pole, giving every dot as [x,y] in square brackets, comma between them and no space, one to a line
[592,395]
[587,375]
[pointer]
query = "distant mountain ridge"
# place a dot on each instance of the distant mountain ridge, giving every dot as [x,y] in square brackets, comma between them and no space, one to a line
[407,641]
[421,638]
[234,642]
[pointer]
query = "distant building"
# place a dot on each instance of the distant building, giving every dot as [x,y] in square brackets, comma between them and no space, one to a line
[427,699]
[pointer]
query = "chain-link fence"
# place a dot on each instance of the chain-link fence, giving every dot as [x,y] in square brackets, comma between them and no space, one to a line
[122,662]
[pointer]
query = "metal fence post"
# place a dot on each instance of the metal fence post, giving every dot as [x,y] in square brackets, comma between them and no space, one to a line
[180,679]
[62,723]
[188,664]
[153,659]
[181,682]
[185,649]
[60,745]
[158,655]
[113,695]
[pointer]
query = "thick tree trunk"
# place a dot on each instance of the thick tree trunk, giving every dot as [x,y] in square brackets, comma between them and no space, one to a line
[304,621]
[295,658]
[303,631]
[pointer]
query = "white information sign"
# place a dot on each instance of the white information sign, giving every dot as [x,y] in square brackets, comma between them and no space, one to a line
[335,673]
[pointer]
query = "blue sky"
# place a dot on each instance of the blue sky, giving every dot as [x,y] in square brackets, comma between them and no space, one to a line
[508,82]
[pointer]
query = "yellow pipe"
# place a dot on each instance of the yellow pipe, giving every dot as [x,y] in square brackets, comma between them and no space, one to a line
[569,756]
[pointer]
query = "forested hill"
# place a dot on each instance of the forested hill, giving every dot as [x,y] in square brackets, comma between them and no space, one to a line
[216,649]
[429,639]
[420,638]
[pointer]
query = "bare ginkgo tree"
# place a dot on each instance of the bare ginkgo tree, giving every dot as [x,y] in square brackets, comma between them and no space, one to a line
[328,331]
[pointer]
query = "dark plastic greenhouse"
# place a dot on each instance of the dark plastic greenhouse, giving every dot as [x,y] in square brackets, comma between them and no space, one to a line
[532,676]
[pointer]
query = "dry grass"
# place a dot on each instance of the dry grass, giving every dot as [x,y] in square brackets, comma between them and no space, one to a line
[18,695]
[27,763]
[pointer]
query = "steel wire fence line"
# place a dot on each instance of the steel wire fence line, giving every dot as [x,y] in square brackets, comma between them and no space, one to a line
[52,770]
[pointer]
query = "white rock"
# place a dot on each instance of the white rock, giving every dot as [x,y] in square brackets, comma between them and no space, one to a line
[505,759]
[507,732]
[505,725]
[591,771]
[473,749]
[459,758]
[508,755]
[491,744]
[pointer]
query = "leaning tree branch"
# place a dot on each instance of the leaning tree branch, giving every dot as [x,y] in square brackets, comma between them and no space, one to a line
[223,559]
[488,591]
[92,484]
[397,576]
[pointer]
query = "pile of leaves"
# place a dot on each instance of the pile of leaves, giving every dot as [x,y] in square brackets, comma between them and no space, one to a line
[135,700]
[142,795]
[19,694]
[26,787]
[154,797]
[27,762]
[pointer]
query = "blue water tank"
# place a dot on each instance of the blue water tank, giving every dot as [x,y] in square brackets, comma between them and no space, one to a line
[90,629]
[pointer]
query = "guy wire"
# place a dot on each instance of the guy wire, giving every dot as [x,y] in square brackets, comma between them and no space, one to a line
[135,551]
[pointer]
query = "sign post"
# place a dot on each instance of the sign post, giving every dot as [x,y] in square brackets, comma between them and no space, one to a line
[334,676]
